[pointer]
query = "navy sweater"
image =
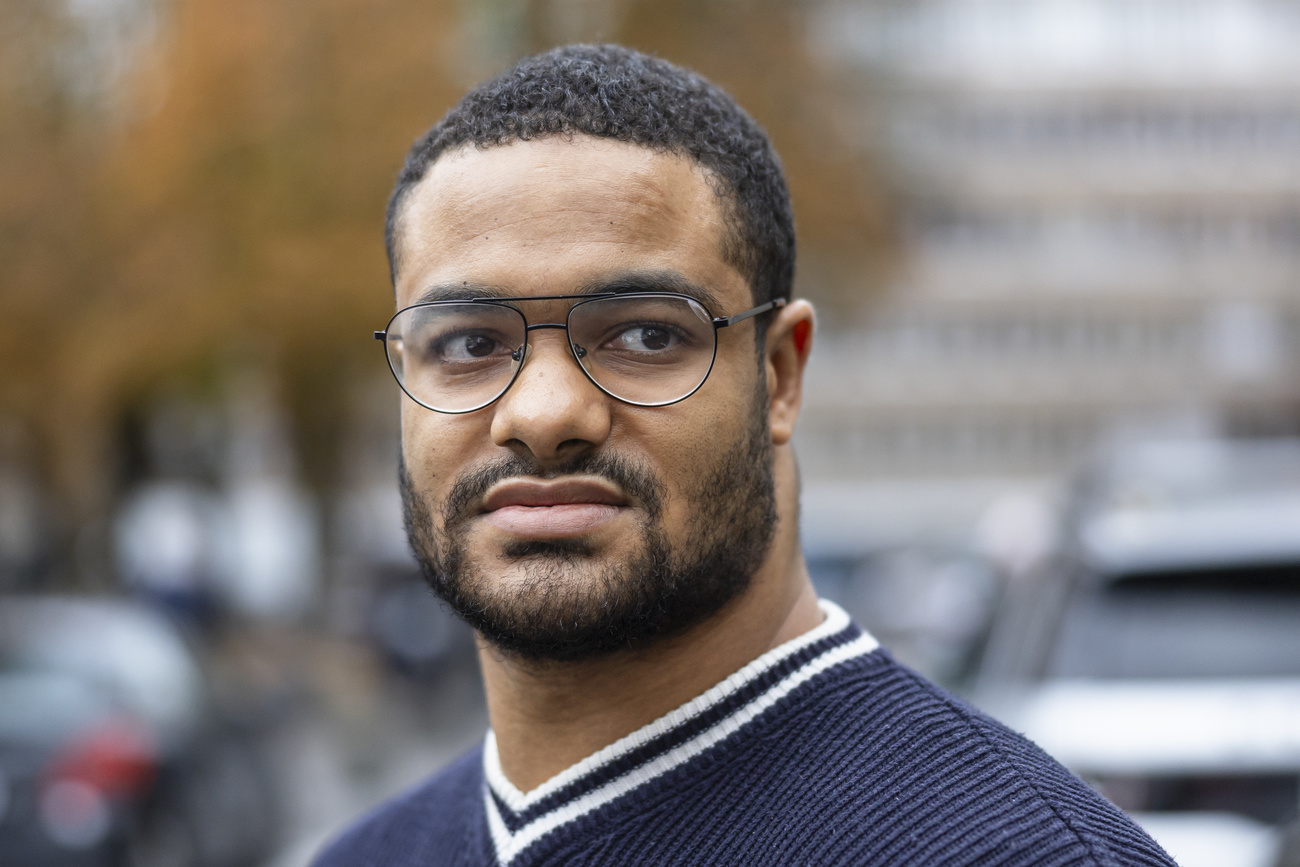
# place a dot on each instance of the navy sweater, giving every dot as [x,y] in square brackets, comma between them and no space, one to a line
[824,751]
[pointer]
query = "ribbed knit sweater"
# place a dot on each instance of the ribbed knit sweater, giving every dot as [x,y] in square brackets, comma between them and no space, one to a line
[824,751]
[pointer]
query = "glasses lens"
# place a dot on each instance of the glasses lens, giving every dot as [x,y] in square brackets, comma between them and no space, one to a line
[644,349]
[456,357]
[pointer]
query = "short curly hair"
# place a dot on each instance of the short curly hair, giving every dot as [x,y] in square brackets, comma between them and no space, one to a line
[608,91]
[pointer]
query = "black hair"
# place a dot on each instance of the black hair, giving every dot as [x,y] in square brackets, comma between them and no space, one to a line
[608,91]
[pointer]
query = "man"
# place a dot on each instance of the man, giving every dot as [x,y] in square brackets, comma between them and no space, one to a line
[602,366]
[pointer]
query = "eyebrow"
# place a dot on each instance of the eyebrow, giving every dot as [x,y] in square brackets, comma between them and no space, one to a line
[463,291]
[652,281]
[620,283]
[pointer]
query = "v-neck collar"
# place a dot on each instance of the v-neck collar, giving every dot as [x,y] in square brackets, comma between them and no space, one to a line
[518,819]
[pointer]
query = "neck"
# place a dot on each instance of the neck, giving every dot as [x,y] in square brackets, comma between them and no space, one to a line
[549,716]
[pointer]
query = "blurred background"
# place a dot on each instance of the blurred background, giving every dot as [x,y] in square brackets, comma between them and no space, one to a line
[1049,447]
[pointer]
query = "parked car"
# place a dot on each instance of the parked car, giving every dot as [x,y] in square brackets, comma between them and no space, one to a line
[111,752]
[1158,655]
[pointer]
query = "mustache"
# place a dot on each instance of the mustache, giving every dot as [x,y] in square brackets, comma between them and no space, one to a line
[635,480]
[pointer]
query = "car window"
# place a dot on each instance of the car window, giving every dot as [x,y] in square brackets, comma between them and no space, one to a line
[123,651]
[1179,474]
[1229,622]
[44,707]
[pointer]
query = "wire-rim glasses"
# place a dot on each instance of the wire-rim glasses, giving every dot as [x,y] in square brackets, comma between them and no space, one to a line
[641,348]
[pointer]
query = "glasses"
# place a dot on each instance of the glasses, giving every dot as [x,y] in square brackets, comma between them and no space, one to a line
[644,348]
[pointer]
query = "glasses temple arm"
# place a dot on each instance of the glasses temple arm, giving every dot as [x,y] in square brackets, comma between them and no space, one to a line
[724,321]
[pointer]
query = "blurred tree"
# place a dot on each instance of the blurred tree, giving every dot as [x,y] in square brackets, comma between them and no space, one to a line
[50,238]
[256,188]
[230,210]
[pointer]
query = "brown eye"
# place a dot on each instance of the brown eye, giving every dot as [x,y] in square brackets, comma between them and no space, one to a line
[466,347]
[645,338]
[479,346]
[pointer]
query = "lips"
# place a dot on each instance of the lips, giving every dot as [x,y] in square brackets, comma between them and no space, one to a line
[560,492]
[540,509]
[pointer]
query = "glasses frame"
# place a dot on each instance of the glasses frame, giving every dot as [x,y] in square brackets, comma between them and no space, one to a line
[718,322]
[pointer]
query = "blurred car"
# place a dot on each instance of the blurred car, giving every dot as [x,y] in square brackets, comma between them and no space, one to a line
[929,604]
[1159,653]
[110,750]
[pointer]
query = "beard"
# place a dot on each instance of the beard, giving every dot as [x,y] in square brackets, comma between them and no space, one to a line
[571,605]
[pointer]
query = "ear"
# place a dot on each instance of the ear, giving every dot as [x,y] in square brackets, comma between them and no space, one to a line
[789,343]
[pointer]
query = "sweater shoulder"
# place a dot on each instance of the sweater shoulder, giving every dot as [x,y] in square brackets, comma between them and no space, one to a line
[428,826]
[867,763]
[1020,791]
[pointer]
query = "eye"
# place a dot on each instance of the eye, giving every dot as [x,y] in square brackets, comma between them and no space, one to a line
[471,346]
[645,338]
[466,346]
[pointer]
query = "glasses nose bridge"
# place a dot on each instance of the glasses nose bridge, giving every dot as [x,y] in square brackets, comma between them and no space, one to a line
[534,326]
[530,327]
[574,353]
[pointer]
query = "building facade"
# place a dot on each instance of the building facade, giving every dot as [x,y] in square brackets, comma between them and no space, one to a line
[1102,237]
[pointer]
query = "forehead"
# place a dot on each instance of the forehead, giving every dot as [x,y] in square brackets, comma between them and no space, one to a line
[549,216]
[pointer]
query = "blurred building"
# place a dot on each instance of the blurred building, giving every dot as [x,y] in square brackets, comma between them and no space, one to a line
[1102,232]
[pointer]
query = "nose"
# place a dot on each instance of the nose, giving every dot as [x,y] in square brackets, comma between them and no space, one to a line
[552,410]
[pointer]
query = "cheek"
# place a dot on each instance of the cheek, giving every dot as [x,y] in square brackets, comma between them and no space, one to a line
[727,398]
[686,442]
[434,446]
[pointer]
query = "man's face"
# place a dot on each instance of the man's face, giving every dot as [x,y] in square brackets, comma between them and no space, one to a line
[558,521]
